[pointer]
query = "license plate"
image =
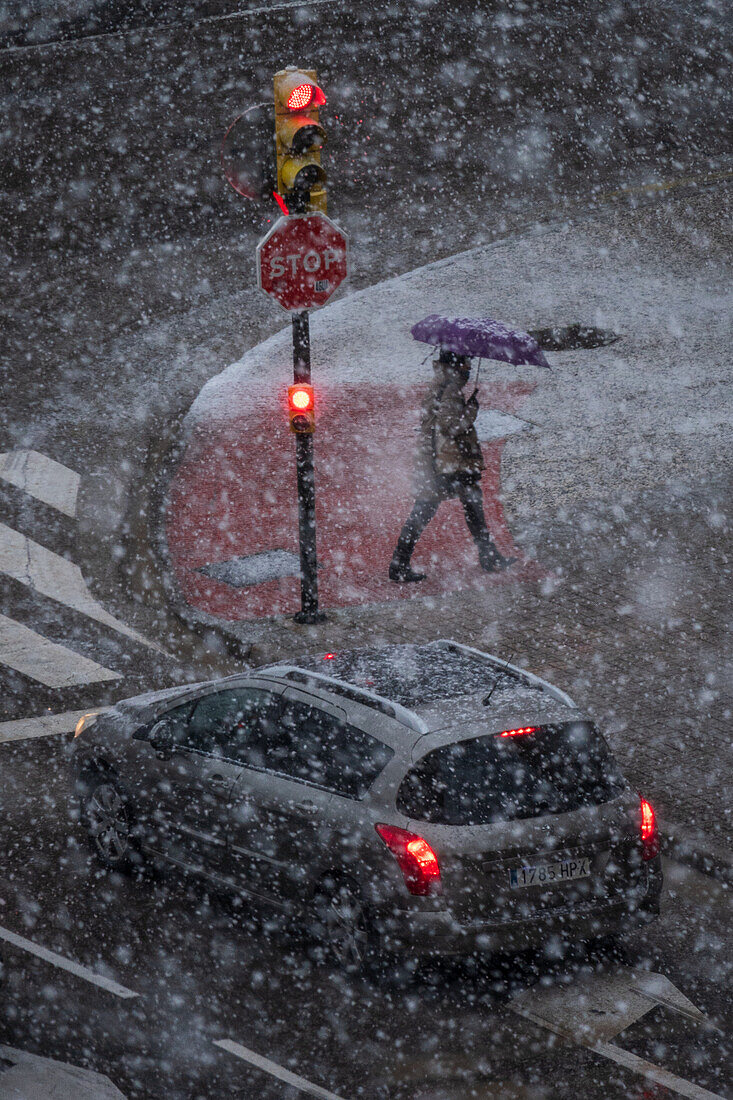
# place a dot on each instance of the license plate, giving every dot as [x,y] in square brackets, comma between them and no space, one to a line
[544,873]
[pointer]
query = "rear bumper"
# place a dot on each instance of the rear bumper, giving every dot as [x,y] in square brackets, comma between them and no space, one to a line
[439,933]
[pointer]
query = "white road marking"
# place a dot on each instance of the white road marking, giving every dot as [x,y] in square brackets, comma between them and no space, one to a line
[63,963]
[44,725]
[658,1074]
[51,664]
[597,1007]
[53,576]
[275,1070]
[43,478]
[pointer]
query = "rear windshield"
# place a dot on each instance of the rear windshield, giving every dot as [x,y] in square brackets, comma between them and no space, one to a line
[487,779]
[412,674]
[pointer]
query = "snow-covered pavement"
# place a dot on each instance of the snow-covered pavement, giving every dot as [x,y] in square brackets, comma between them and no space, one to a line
[651,408]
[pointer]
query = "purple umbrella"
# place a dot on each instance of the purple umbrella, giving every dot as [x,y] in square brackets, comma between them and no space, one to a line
[480,336]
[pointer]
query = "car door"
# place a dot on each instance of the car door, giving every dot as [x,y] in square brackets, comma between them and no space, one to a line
[191,779]
[280,822]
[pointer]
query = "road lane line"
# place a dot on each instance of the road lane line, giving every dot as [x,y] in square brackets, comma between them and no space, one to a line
[275,1070]
[51,664]
[43,725]
[654,1073]
[43,478]
[43,571]
[69,965]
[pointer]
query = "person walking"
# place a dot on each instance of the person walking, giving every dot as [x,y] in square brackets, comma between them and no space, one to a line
[448,464]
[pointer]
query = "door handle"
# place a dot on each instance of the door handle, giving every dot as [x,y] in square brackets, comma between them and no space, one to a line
[310,808]
[219,782]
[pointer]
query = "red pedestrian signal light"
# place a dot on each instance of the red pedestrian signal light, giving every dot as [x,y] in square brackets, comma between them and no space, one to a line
[301,408]
[299,138]
[305,95]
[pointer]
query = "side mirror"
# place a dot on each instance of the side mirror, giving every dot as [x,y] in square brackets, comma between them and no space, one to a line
[162,740]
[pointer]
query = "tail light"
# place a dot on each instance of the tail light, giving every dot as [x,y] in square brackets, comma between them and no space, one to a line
[649,832]
[417,860]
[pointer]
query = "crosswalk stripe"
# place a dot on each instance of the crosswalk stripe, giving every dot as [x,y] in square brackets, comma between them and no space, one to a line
[31,564]
[43,478]
[48,662]
[43,725]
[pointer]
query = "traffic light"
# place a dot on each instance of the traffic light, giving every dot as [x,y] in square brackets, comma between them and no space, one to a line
[299,137]
[301,408]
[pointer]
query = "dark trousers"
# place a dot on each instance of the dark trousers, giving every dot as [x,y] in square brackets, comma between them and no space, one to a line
[470,496]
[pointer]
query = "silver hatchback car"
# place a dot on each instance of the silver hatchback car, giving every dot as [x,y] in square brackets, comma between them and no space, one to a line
[421,799]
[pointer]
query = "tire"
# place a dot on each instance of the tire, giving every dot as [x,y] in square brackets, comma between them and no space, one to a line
[107,818]
[342,928]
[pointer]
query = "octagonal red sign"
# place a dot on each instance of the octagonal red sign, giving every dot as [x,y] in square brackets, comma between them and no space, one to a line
[302,261]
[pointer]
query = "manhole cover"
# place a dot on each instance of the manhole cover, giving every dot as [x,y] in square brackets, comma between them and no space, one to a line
[573,337]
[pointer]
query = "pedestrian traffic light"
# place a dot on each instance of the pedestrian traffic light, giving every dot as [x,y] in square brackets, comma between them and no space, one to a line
[301,408]
[299,137]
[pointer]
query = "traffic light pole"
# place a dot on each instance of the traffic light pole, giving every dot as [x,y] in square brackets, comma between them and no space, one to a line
[309,612]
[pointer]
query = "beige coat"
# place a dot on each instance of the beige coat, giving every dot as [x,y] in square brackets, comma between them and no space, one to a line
[447,442]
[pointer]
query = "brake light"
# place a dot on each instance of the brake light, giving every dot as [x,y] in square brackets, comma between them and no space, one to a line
[417,860]
[520,732]
[649,831]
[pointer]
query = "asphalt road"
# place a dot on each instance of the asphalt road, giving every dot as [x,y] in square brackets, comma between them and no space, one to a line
[203,972]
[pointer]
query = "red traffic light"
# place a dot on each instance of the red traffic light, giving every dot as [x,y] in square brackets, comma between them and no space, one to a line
[305,95]
[301,397]
[301,401]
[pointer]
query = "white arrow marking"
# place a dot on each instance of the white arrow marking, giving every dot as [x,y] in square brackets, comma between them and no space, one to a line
[43,478]
[51,664]
[40,569]
[599,1006]
[66,964]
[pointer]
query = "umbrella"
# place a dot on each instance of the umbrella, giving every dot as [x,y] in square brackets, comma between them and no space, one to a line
[480,336]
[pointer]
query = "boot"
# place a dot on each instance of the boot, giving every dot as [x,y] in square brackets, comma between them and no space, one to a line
[402,573]
[490,559]
[496,562]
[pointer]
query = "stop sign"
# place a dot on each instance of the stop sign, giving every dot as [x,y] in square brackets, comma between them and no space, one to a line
[302,261]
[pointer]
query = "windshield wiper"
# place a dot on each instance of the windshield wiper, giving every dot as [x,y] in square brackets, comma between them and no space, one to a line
[498,679]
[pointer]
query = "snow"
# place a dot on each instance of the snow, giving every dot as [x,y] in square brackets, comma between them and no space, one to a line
[641,409]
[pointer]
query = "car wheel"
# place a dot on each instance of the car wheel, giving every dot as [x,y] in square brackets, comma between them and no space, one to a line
[342,926]
[108,821]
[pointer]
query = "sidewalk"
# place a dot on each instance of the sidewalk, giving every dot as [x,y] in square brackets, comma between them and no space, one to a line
[613,478]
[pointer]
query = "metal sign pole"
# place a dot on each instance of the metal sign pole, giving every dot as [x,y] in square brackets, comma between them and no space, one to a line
[309,612]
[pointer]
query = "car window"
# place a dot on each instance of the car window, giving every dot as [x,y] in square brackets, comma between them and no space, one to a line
[222,723]
[320,748]
[487,779]
[175,723]
[255,722]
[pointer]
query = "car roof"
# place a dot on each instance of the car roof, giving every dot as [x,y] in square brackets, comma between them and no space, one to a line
[513,692]
[515,697]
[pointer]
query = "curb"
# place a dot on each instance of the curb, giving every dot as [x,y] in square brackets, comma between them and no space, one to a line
[696,850]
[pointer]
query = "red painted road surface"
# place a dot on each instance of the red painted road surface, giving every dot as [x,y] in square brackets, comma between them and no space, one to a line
[234,494]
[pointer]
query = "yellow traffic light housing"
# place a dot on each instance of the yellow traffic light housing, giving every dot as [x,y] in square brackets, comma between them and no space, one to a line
[299,137]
